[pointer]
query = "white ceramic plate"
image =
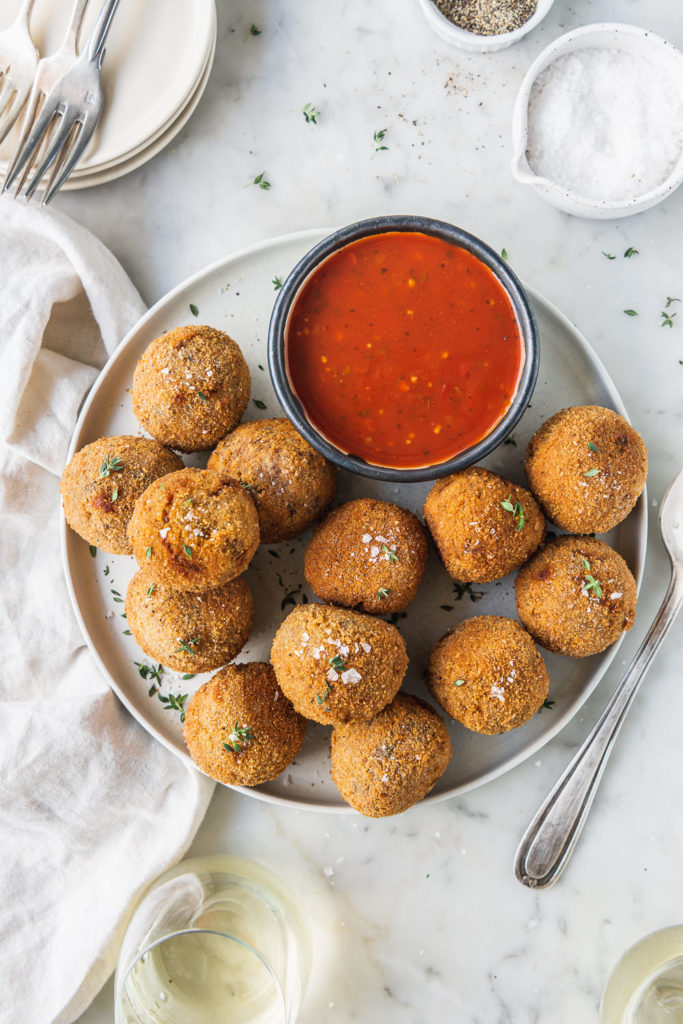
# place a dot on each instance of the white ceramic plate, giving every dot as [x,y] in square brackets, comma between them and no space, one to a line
[236,295]
[151,148]
[156,53]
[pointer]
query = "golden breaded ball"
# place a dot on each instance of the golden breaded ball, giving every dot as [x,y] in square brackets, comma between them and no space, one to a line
[240,728]
[289,482]
[104,480]
[483,525]
[576,596]
[336,665]
[194,531]
[186,630]
[385,765]
[487,674]
[191,387]
[367,554]
[587,466]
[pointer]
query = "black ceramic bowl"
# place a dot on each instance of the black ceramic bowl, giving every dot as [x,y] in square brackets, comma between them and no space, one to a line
[455,236]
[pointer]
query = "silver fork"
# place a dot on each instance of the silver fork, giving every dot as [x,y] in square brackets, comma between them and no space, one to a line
[550,839]
[18,60]
[67,117]
[49,71]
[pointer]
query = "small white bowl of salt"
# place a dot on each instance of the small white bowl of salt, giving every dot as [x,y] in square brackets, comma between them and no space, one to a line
[598,121]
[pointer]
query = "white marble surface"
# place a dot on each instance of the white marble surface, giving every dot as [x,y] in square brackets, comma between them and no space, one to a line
[421,915]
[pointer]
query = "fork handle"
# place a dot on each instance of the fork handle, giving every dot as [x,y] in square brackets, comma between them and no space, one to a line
[24,15]
[99,33]
[551,837]
[70,44]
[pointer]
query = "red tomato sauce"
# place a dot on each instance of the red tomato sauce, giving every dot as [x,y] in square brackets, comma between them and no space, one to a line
[403,349]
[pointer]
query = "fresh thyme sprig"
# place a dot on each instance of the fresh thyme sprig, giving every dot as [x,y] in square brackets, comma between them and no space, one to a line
[240,736]
[382,593]
[112,464]
[337,663]
[152,673]
[391,555]
[516,509]
[631,252]
[187,645]
[261,181]
[590,581]
[320,700]
[311,114]
[174,702]
[466,588]
[378,139]
[277,284]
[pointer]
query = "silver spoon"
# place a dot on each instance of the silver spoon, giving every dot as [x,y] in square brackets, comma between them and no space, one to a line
[549,841]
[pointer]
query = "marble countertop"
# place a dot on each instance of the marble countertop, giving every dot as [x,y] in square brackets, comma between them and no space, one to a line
[422,916]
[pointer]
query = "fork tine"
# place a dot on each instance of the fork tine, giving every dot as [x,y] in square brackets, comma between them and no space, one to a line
[7,92]
[54,146]
[28,148]
[10,114]
[87,128]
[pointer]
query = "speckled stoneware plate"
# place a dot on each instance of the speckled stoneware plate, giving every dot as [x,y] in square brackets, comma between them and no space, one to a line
[237,295]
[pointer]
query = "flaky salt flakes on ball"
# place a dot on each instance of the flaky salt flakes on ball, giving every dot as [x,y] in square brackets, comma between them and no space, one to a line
[487,674]
[587,466]
[483,525]
[189,631]
[193,530]
[240,728]
[191,387]
[385,765]
[337,665]
[576,596]
[102,483]
[291,484]
[367,554]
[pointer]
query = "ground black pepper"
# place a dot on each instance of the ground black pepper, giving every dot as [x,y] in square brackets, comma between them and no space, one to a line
[487,17]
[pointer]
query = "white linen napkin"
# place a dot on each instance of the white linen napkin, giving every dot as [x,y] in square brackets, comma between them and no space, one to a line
[92,808]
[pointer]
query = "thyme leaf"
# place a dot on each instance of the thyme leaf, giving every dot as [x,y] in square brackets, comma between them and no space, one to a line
[239,736]
[112,464]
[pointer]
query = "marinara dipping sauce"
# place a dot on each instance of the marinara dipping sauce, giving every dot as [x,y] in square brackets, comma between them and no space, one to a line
[403,349]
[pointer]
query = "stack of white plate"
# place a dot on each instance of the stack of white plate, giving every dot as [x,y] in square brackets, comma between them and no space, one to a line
[158,60]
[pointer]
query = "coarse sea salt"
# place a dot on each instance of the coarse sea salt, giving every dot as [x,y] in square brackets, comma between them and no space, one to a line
[604,124]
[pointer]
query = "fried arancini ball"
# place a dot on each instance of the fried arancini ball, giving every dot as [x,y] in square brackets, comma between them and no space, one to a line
[240,728]
[587,466]
[369,555]
[387,764]
[290,483]
[337,665]
[487,674]
[576,596]
[484,526]
[190,387]
[194,531]
[187,630]
[104,480]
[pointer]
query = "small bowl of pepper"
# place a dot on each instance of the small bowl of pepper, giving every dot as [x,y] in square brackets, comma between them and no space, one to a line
[484,25]
[403,348]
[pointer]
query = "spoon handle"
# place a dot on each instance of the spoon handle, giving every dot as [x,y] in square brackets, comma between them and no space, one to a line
[551,837]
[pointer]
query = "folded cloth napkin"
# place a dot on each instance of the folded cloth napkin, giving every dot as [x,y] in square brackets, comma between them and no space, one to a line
[92,808]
